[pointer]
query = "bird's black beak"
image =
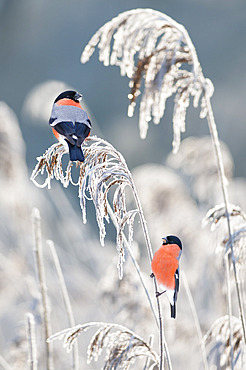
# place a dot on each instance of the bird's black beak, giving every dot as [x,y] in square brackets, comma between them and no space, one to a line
[78,97]
[164,241]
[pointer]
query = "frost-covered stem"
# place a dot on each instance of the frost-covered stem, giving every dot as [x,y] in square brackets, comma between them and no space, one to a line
[229,307]
[38,251]
[31,341]
[192,50]
[196,320]
[4,365]
[163,343]
[215,139]
[66,300]
[134,261]
[146,366]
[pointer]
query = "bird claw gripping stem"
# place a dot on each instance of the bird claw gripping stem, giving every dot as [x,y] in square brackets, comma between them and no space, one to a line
[157,294]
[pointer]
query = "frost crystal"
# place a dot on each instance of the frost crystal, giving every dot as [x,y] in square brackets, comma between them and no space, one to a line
[148,45]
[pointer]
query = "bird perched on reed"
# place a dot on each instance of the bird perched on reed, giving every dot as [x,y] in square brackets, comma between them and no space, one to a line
[70,123]
[165,268]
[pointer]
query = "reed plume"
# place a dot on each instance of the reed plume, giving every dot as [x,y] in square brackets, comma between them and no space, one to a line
[217,339]
[104,168]
[123,347]
[150,46]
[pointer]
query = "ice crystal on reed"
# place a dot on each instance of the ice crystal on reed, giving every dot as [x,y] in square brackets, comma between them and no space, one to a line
[104,168]
[149,44]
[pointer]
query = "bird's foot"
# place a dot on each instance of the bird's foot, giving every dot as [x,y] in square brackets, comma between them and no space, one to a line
[157,294]
[152,275]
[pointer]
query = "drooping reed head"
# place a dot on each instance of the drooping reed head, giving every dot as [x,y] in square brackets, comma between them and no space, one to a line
[149,46]
[217,339]
[123,347]
[104,171]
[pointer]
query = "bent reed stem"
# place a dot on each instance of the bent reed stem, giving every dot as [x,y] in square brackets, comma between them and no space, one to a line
[196,320]
[38,251]
[31,342]
[221,171]
[229,307]
[163,344]
[4,365]
[66,300]
[134,261]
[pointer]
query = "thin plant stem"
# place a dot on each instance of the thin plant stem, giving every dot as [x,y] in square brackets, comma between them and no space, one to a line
[4,365]
[31,341]
[163,344]
[134,261]
[229,307]
[66,300]
[38,252]
[196,320]
[146,366]
[215,139]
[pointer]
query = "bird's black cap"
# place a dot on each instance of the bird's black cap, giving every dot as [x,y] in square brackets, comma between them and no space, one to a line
[69,94]
[172,239]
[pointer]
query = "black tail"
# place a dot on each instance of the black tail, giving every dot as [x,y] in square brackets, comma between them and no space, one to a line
[173,310]
[75,152]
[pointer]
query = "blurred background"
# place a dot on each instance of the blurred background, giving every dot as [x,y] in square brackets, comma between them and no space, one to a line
[43,40]
[40,47]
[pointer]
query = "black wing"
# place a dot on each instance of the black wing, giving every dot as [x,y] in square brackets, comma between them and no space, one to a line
[176,276]
[66,129]
[81,131]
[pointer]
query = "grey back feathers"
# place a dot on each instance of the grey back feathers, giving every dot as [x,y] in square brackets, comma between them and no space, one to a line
[68,113]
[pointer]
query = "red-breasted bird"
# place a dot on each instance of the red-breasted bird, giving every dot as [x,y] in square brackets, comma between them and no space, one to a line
[70,123]
[165,268]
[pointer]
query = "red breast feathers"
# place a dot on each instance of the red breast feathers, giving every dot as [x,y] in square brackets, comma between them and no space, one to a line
[165,263]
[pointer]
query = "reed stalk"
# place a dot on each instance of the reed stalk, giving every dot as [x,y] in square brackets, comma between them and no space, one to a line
[31,341]
[196,320]
[66,300]
[38,252]
[221,171]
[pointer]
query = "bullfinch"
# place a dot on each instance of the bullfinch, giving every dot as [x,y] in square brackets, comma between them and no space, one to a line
[70,123]
[165,268]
